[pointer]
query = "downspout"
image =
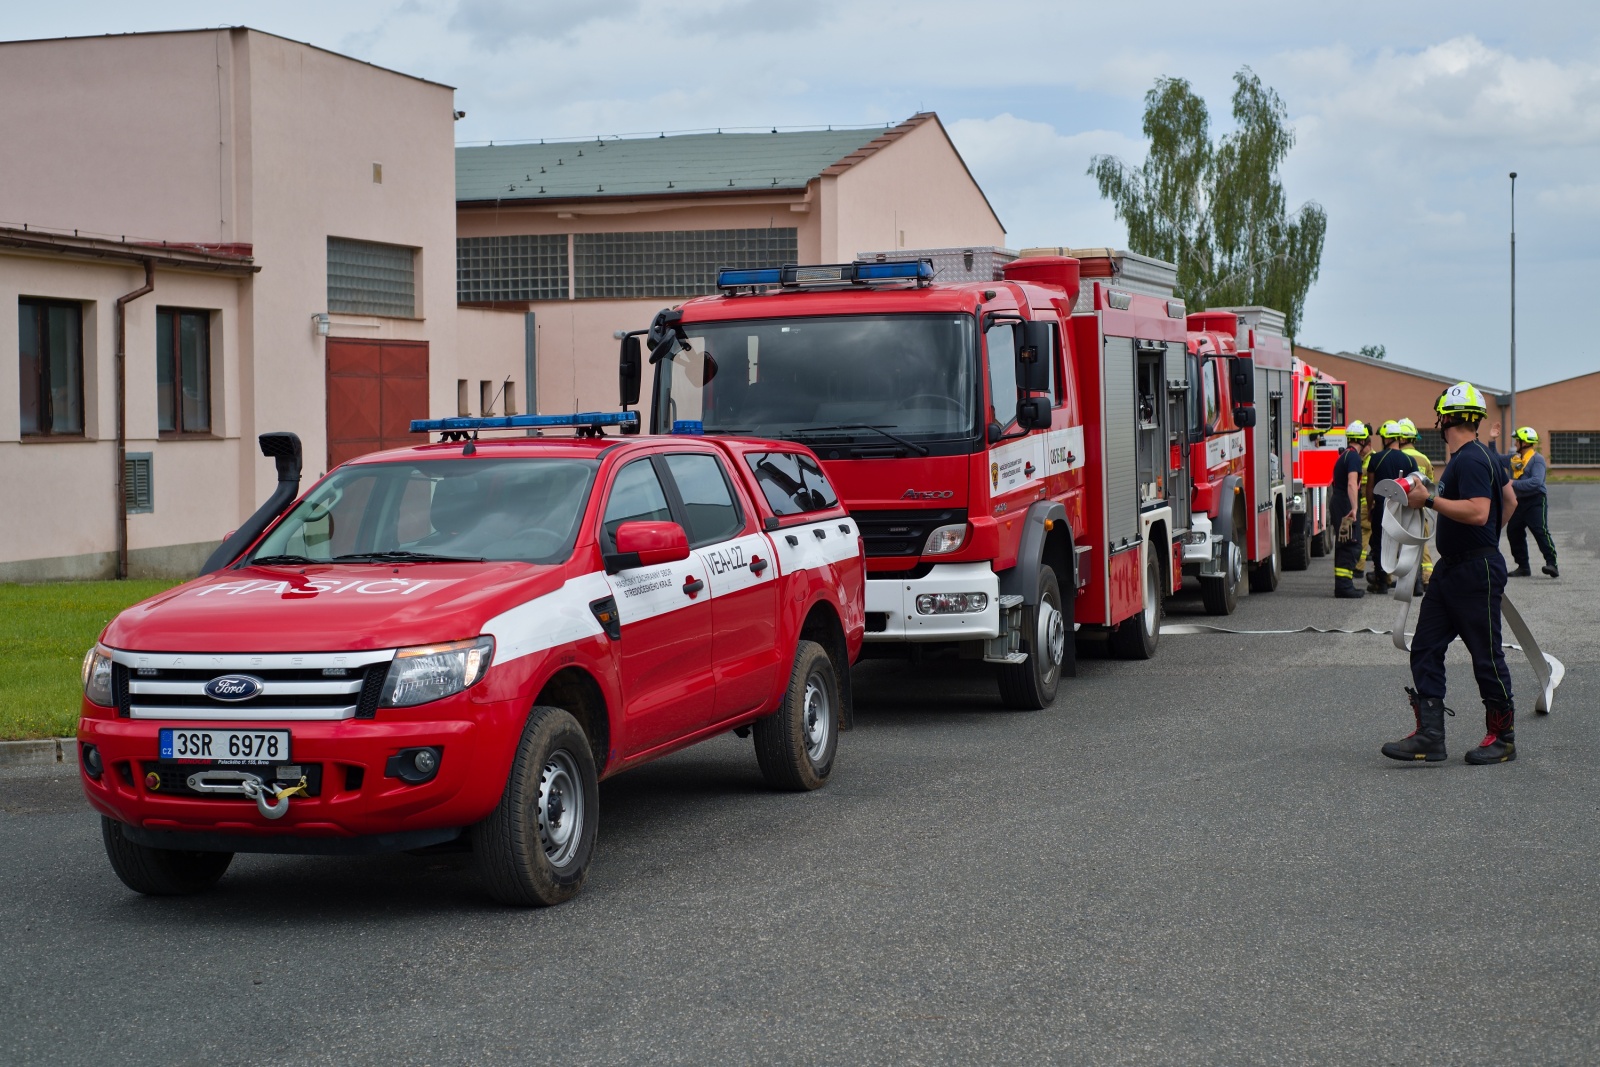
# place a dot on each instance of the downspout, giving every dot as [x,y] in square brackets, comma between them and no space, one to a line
[122,412]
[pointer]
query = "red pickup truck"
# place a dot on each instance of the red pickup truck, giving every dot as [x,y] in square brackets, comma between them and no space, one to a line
[455,642]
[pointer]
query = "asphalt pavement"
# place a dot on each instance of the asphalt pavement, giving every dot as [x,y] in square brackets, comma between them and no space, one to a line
[1199,859]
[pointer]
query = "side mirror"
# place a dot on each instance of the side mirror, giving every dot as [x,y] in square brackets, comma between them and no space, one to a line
[994,431]
[647,544]
[1036,345]
[630,364]
[1244,418]
[1034,413]
[1242,380]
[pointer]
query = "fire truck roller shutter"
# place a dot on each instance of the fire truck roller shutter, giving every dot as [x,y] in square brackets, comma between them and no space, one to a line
[1040,546]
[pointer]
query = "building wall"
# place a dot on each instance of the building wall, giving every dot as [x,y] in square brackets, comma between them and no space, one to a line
[1376,394]
[1573,404]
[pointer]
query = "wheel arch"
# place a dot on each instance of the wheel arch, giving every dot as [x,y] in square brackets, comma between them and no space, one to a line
[1046,539]
[578,693]
[823,625]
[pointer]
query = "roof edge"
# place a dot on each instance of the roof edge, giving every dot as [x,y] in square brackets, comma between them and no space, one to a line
[239,260]
[1384,364]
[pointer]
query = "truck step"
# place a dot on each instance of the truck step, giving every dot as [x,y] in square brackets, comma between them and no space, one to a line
[1011,658]
[1009,601]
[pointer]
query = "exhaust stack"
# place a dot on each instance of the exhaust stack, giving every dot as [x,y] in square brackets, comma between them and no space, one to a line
[284,448]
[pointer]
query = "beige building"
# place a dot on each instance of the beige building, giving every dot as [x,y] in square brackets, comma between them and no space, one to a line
[597,236]
[293,212]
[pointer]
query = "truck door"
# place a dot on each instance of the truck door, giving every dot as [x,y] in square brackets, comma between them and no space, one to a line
[1178,432]
[744,600]
[665,650]
[1151,456]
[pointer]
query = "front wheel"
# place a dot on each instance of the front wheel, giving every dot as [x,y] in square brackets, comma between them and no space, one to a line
[1136,638]
[1220,593]
[1297,550]
[161,872]
[795,745]
[1264,575]
[534,849]
[1048,640]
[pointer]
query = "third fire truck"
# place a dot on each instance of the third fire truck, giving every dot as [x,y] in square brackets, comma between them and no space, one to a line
[1005,446]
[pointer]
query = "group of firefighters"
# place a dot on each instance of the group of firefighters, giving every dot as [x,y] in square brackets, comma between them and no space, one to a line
[1472,498]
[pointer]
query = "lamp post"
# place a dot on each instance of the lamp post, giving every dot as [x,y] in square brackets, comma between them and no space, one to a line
[1514,423]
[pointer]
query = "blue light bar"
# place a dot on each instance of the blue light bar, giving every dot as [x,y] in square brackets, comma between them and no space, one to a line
[919,269]
[734,279]
[524,422]
[794,276]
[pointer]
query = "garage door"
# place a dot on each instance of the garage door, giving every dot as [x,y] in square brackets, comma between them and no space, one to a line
[375,389]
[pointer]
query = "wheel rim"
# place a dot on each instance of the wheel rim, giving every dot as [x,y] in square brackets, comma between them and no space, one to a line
[1151,598]
[817,722]
[1052,637]
[561,809]
[1235,563]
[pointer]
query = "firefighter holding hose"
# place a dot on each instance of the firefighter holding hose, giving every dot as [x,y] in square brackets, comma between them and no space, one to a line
[1533,504]
[1389,464]
[1472,499]
[1347,503]
[1408,445]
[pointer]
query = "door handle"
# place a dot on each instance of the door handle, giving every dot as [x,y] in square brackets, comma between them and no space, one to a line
[692,585]
[757,564]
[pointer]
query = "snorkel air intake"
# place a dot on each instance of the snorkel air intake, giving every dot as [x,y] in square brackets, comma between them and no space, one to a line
[284,448]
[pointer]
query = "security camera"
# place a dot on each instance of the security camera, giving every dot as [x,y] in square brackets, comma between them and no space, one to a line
[460,115]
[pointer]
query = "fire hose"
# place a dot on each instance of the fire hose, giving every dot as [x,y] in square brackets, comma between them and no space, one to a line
[1405,531]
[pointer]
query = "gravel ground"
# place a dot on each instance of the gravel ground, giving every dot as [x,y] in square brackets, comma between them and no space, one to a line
[1179,862]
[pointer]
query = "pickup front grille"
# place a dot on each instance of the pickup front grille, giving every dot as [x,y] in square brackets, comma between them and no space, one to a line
[308,687]
[902,533]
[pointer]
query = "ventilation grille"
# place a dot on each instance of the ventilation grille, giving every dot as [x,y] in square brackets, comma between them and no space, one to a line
[138,492]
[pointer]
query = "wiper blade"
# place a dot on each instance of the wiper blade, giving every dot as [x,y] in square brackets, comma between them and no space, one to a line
[288,560]
[402,556]
[921,450]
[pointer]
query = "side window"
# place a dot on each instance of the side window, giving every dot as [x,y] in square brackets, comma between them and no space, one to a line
[636,496]
[1213,395]
[707,500]
[1000,341]
[50,344]
[792,483]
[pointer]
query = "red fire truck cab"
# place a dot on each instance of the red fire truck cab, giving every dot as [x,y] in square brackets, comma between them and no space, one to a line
[1003,445]
[455,642]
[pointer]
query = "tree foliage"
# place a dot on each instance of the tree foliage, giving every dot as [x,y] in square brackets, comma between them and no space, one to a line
[1374,351]
[1217,210]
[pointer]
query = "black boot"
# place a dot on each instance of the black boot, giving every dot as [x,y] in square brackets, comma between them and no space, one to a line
[1426,744]
[1345,589]
[1552,570]
[1500,746]
[1522,571]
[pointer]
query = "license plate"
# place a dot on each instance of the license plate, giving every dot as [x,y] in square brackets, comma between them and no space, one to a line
[225,745]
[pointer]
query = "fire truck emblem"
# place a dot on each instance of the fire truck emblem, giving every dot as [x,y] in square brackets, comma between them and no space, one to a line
[994,475]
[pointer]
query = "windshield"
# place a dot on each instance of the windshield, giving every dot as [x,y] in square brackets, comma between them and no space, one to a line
[912,375]
[474,509]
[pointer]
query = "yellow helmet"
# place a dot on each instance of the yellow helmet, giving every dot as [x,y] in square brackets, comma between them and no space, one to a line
[1392,430]
[1462,399]
[1528,435]
[1408,429]
[1357,431]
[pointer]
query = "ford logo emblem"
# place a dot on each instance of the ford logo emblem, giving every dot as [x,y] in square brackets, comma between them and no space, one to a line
[233,687]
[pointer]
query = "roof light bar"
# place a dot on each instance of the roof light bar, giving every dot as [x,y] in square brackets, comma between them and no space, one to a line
[794,276]
[524,422]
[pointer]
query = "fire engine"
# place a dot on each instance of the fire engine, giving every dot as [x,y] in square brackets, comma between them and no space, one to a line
[451,644]
[1003,444]
[1319,422]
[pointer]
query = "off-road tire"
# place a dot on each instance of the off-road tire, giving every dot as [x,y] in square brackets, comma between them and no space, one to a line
[1220,594]
[1136,638]
[527,854]
[1297,551]
[1264,575]
[1322,544]
[161,872]
[1025,686]
[795,745]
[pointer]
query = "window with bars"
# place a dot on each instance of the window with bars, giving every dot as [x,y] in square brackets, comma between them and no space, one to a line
[1431,444]
[183,370]
[672,262]
[514,267]
[1574,447]
[138,492]
[369,278]
[50,365]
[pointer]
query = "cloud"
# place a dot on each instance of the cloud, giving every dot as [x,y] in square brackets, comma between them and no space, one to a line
[494,24]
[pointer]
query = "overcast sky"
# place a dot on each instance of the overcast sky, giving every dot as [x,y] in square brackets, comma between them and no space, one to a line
[1409,115]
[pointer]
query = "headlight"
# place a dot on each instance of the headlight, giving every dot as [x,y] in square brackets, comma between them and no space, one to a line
[430,672]
[946,539]
[97,677]
[951,603]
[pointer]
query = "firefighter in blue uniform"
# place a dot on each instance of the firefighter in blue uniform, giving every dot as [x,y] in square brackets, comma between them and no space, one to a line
[1533,504]
[1391,463]
[1472,500]
[1346,502]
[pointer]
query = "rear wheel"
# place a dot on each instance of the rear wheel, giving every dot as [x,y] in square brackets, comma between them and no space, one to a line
[161,872]
[795,745]
[534,848]
[1322,544]
[1048,640]
[1220,593]
[1297,552]
[1136,638]
[1264,575]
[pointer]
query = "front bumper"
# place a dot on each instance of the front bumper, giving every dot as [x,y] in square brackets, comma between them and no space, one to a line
[355,801]
[892,605]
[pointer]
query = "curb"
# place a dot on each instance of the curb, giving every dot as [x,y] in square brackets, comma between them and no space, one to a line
[38,753]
